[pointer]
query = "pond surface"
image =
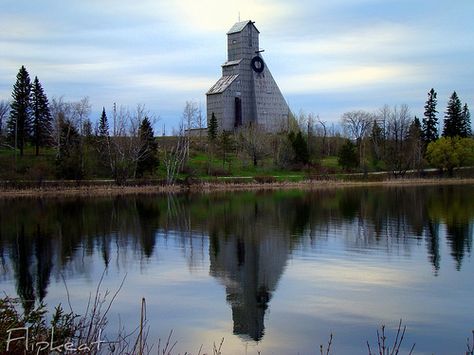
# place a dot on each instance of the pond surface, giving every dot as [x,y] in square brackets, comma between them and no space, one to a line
[275,272]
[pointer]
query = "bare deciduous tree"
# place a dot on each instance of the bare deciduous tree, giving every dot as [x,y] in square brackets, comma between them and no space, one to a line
[80,112]
[254,141]
[357,125]
[190,115]
[175,158]
[4,111]
[200,122]
[398,153]
[326,149]
[125,148]
[60,112]
[189,120]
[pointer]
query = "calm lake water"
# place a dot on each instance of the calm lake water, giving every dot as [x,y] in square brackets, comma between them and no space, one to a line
[275,272]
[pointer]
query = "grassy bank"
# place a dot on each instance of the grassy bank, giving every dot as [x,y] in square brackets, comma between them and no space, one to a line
[105,188]
[34,176]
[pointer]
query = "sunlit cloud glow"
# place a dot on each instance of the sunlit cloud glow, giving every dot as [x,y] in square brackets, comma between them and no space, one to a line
[325,56]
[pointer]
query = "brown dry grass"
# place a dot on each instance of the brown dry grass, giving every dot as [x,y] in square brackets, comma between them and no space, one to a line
[207,187]
[89,191]
[326,184]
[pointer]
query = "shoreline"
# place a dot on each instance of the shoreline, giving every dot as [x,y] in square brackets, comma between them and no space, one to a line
[210,187]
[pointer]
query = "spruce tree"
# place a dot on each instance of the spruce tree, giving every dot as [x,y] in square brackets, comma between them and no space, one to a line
[42,118]
[430,121]
[212,128]
[300,147]
[415,128]
[453,120]
[378,141]
[147,160]
[414,147]
[347,157]
[466,122]
[87,129]
[226,142]
[103,125]
[103,142]
[68,160]
[19,125]
[4,112]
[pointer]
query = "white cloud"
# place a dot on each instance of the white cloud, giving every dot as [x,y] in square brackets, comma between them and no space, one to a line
[346,77]
[170,83]
[348,52]
[216,15]
[18,28]
[380,40]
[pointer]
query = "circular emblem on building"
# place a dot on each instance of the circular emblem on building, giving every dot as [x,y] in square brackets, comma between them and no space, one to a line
[257,64]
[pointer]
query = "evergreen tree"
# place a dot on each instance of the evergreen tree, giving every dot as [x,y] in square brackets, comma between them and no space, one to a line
[4,112]
[348,157]
[430,121]
[415,131]
[87,129]
[226,143]
[453,120]
[19,125]
[466,122]
[103,125]
[103,143]
[147,160]
[377,139]
[68,160]
[42,118]
[300,147]
[414,145]
[212,128]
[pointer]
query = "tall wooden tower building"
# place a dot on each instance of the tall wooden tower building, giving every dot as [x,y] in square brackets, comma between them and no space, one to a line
[246,93]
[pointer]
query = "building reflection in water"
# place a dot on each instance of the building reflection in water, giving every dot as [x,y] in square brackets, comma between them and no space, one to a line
[250,235]
[249,266]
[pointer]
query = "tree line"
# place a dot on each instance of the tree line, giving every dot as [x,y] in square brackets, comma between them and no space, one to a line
[390,138]
[81,150]
[394,139]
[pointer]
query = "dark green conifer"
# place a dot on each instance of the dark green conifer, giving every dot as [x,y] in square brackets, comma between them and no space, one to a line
[430,121]
[453,120]
[348,157]
[68,160]
[466,122]
[42,118]
[103,125]
[377,138]
[147,159]
[415,131]
[300,147]
[212,128]
[19,124]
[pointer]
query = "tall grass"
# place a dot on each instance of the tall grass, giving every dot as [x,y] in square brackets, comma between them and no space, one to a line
[67,327]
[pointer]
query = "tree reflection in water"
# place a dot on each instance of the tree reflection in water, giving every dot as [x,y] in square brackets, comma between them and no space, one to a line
[250,235]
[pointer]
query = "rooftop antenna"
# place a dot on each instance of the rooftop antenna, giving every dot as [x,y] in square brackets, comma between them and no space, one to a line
[239,16]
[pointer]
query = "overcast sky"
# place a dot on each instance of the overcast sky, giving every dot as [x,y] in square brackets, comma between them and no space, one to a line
[328,57]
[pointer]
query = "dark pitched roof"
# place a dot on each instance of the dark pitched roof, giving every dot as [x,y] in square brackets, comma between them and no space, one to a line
[231,63]
[239,26]
[222,84]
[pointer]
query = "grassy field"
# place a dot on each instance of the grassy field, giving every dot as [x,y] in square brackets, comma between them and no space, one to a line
[29,166]
[201,166]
